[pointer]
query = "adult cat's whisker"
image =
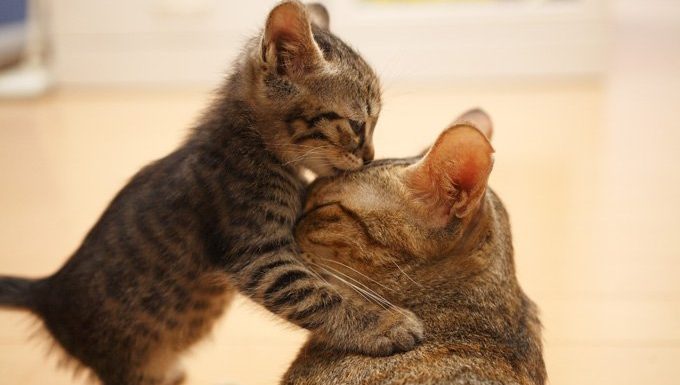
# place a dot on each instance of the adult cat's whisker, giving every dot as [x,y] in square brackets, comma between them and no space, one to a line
[333,273]
[363,286]
[358,272]
[358,290]
[320,277]
[367,290]
[407,276]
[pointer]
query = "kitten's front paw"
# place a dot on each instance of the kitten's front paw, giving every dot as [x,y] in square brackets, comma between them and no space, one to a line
[395,332]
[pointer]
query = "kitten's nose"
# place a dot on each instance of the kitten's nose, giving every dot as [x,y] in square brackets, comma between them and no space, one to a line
[368,154]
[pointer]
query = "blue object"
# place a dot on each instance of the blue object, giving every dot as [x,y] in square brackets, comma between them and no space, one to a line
[13,11]
[13,30]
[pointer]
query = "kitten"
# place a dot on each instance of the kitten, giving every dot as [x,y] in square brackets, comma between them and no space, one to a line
[425,234]
[217,215]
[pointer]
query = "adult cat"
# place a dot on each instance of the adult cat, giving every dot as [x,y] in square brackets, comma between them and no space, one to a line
[427,235]
[217,215]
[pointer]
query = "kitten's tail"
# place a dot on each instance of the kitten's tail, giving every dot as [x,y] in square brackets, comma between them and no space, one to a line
[15,292]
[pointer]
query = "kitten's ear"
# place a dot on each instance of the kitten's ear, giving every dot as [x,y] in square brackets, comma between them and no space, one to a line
[451,179]
[288,44]
[477,118]
[319,16]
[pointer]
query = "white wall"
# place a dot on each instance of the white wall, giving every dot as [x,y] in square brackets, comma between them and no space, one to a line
[642,149]
[174,42]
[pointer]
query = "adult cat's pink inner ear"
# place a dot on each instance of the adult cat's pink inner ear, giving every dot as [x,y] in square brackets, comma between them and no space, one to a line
[451,178]
[288,42]
[479,119]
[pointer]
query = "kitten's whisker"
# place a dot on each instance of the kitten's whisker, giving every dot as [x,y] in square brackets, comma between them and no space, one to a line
[304,155]
[291,145]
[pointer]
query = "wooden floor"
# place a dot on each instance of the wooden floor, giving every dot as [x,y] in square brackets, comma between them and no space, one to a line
[588,170]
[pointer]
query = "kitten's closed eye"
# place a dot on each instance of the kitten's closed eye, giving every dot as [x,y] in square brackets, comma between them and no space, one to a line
[328,142]
[359,128]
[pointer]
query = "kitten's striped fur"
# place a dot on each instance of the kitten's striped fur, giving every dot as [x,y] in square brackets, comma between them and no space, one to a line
[216,216]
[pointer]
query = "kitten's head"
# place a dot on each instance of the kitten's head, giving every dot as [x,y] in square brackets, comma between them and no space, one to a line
[319,96]
[407,208]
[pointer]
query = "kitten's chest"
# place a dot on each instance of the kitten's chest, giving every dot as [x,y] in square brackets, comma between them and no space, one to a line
[253,189]
[273,194]
[284,187]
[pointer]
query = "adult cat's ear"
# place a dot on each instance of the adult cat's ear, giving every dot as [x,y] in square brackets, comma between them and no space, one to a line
[451,179]
[288,46]
[318,14]
[477,118]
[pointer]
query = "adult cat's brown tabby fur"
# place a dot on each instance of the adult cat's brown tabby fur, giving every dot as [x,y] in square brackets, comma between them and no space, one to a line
[217,216]
[429,236]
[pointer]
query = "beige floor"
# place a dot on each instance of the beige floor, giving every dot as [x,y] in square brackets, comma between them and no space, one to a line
[589,176]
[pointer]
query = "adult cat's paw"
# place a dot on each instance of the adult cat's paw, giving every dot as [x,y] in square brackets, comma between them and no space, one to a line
[396,331]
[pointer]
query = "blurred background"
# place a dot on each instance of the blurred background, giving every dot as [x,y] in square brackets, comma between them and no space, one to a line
[585,95]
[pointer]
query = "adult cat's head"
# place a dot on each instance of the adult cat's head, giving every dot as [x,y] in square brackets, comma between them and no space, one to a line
[317,98]
[417,207]
[427,235]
